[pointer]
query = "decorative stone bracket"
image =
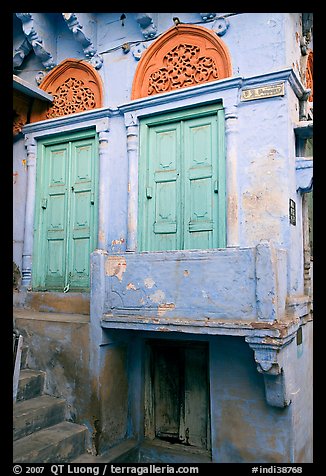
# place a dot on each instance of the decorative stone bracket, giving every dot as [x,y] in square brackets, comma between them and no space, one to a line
[269,357]
[75,26]
[20,53]
[35,39]
[147,25]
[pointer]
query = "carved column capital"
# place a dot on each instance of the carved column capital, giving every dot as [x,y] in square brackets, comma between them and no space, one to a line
[130,119]
[231,112]
[103,127]
[30,145]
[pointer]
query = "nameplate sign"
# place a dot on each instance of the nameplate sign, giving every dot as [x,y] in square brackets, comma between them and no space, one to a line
[263,92]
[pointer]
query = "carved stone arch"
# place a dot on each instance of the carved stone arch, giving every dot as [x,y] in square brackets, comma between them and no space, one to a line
[75,86]
[185,55]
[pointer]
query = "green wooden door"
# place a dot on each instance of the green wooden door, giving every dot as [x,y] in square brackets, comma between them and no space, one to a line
[65,226]
[182,181]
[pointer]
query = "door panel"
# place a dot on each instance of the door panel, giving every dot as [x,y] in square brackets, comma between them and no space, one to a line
[82,212]
[180,397]
[200,152]
[54,211]
[181,168]
[162,178]
[65,214]
[168,390]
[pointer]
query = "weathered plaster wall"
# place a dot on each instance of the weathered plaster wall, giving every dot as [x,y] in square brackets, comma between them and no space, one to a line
[263,171]
[113,422]
[19,193]
[302,397]
[246,284]
[248,430]
[117,186]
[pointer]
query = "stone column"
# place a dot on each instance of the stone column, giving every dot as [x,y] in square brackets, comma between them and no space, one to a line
[232,192]
[132,150]
[103,202]
[30,145]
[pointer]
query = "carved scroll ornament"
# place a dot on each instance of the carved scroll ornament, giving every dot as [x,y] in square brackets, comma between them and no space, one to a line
[184,56]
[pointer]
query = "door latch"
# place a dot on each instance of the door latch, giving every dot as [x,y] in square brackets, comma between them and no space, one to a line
[66,288]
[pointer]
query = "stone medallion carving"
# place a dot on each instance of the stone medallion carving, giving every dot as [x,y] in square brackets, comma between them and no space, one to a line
[75,87]
[186,55]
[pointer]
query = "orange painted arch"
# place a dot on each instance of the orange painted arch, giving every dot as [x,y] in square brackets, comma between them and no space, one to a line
[75,85]
[185,55]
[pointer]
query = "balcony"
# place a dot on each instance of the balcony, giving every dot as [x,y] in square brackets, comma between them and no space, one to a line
[235,291]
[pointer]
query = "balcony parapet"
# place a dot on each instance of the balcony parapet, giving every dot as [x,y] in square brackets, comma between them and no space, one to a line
[218,291]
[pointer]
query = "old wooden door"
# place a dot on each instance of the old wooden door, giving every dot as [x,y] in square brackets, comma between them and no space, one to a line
[65,226]
[180,394]
[182,180]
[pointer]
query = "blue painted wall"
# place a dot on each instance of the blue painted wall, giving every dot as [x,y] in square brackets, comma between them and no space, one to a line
[252,283]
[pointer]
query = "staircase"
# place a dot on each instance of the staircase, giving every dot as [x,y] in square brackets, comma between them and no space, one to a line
[40,432]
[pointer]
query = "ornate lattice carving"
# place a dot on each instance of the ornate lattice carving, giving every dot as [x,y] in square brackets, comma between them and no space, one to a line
[185,55]
[75,87]
[183,66]
[71,97]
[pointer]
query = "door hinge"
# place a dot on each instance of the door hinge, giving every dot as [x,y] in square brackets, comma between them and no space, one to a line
[149,192]
[92,198]
[216,186]
[44,203]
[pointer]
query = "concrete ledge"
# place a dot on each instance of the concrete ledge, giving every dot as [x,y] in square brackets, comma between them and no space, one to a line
[275,330]
[75,303]
[50,316]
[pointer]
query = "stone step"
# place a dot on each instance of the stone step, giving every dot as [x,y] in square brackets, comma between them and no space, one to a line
[35,414]
[31,384]
[125,451]
[57,444]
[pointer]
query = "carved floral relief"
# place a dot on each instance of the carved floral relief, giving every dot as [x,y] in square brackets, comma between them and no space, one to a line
[71,97]
[183,66]
[186,55]
[75,87]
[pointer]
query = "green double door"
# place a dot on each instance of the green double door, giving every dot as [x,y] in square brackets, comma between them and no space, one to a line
[182,180]
[66,213]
